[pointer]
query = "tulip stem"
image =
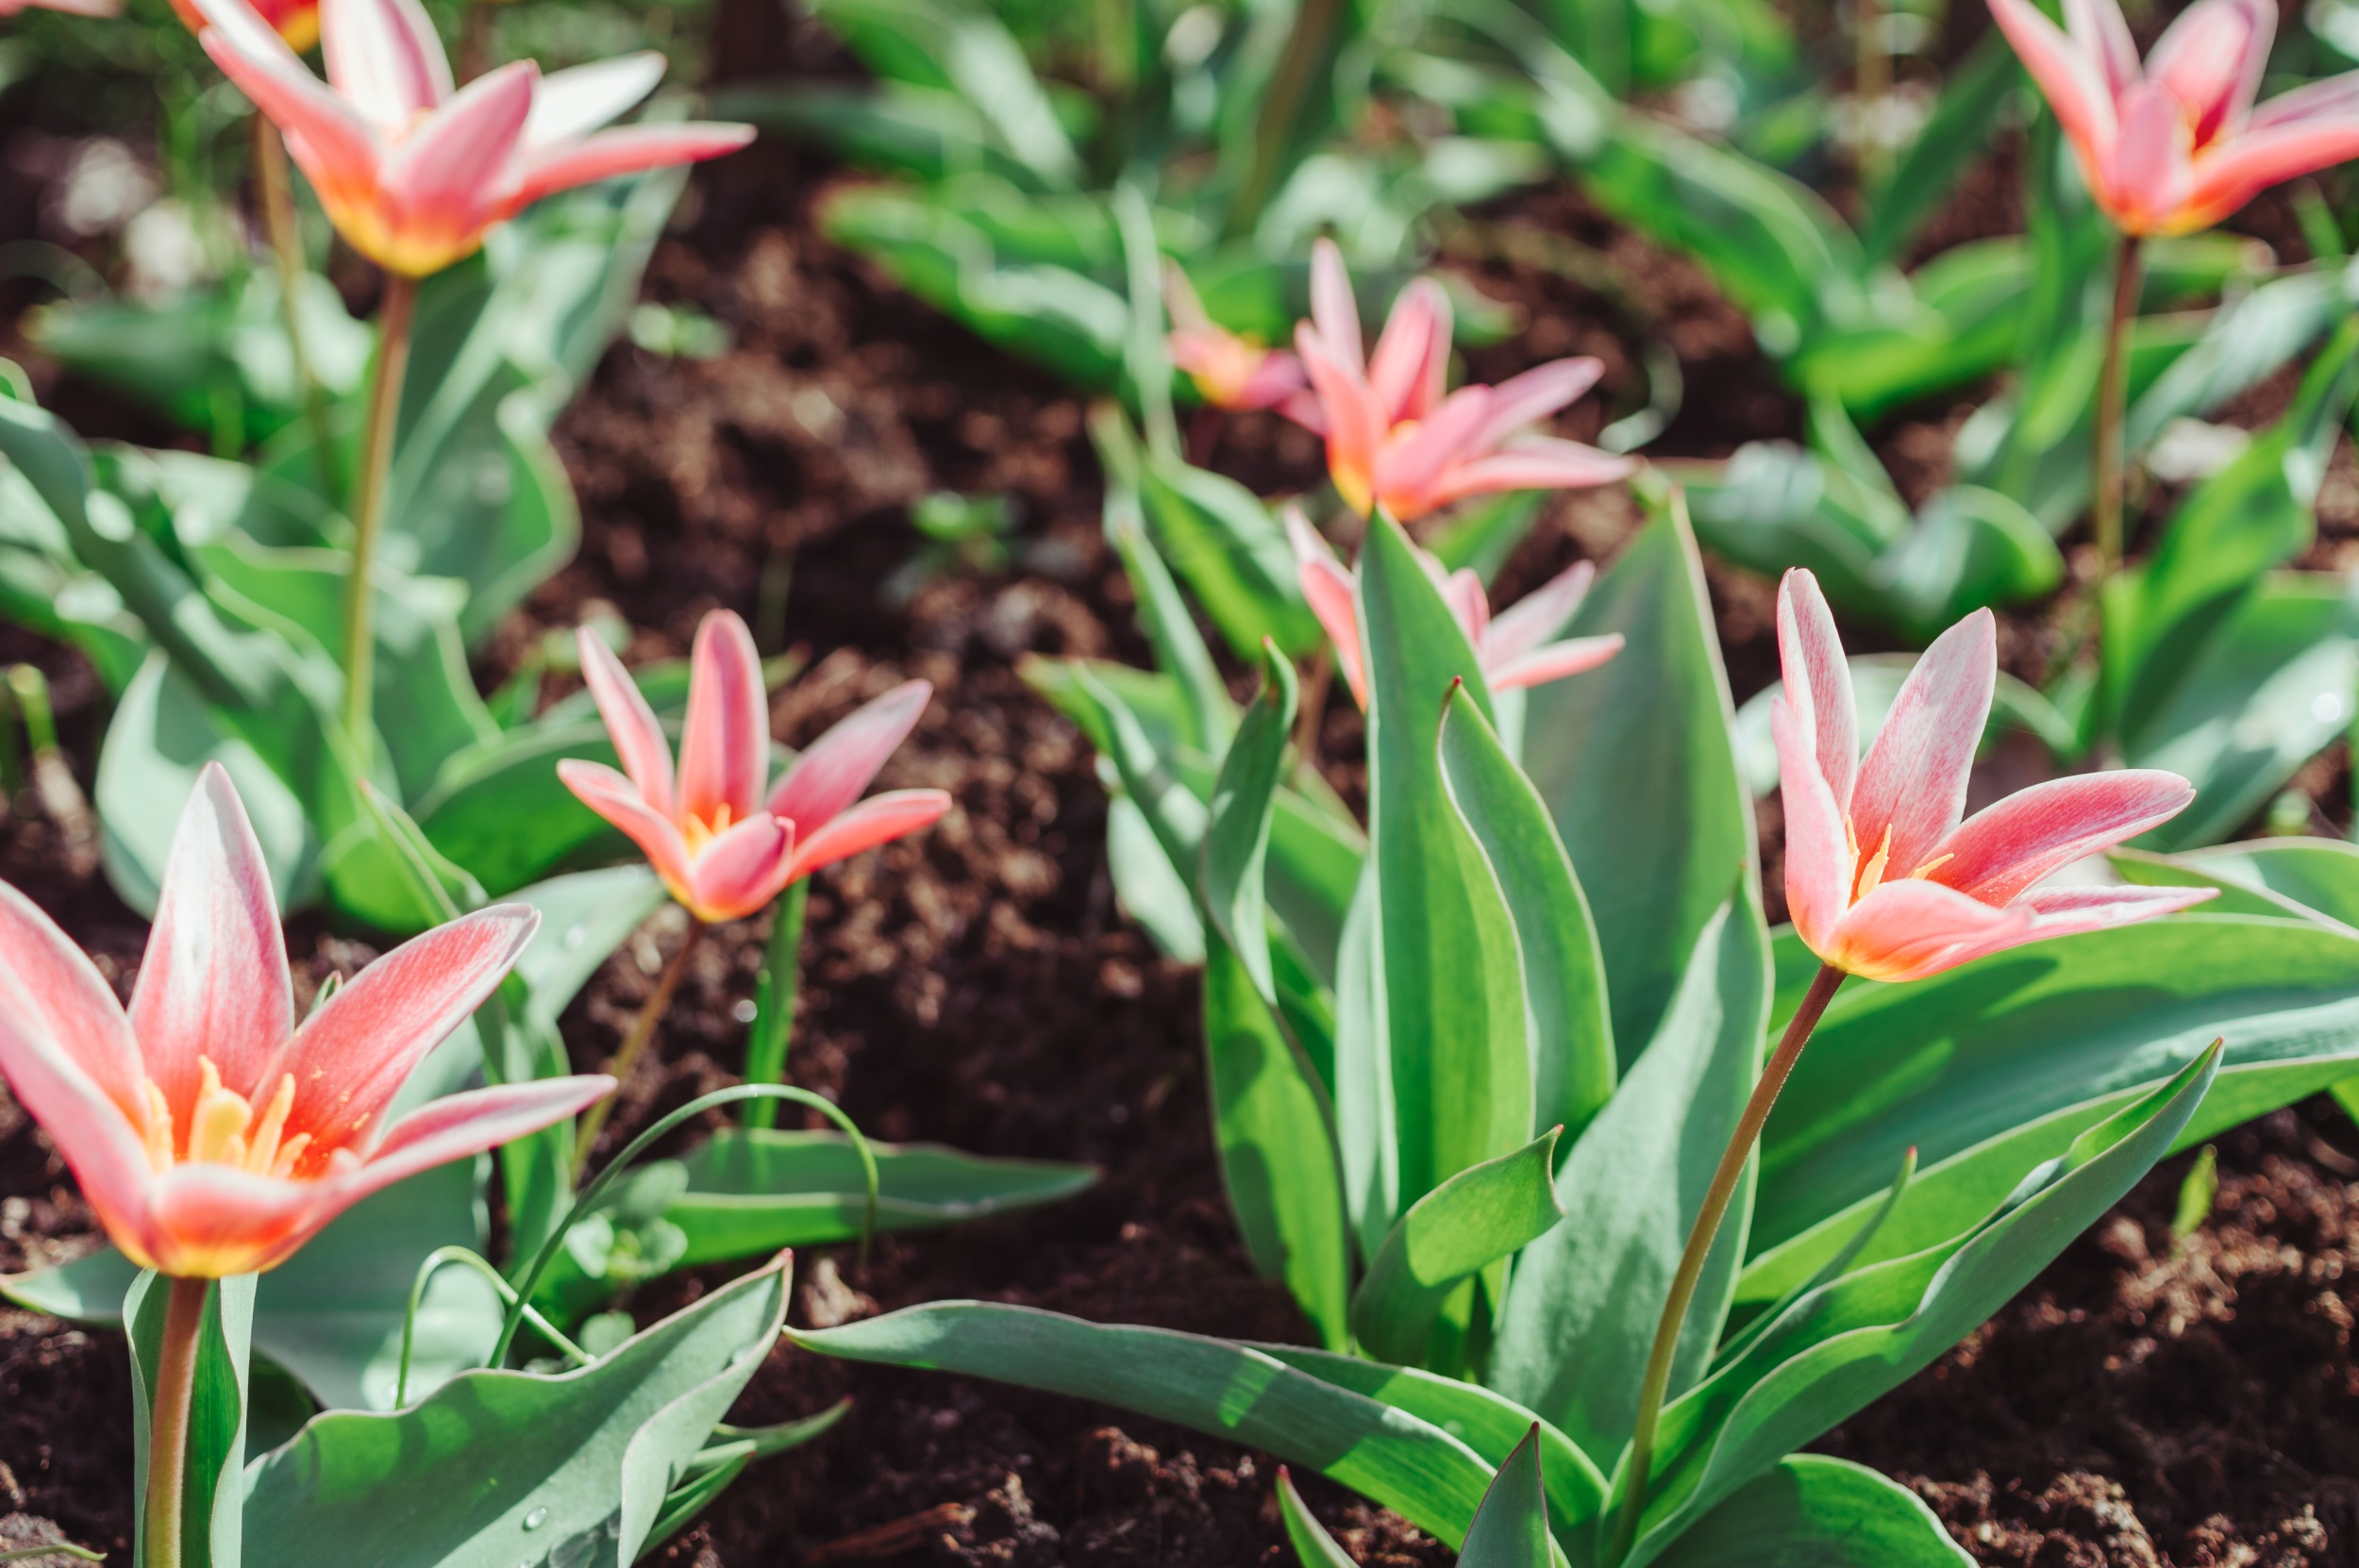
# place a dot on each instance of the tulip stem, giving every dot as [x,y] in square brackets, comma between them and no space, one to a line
[368,507]
[634,1044]
[286,243]
[1699,1239]
[2111,391]
[774,1015]
[168,1422]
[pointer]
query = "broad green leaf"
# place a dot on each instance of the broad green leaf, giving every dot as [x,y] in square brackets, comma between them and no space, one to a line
[211,1520]
[1220,538]
[1227,1390]
[501,811]
[1236,840]
[1813,1511]
[1452,979]
[940,44]
[499,1467]
[1179,651]
[1565,1000]
[1848,1342]
[1634,761]
[1511,1528]
[1484,1213]
[2308,879]
[1973,93]
[1580,1315]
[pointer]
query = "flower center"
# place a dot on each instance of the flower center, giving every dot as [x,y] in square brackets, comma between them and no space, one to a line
[222,1130]
[1868,876]
[699,832]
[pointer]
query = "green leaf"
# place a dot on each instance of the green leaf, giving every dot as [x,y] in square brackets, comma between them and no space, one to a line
[949,46]
[2305,878]
[1210,717]
[1219,537]
[1227,1390]
[1813,1511]
[498,1467]
[1564,999]
[501,811]
[1312,1543]
[1236,840]
[211,1520]
[1481,1214]
[1973,93]
[1511,1528]
[1635,764]
[1581,1316]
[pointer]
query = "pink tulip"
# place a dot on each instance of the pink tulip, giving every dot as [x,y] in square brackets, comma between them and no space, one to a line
[1513,649]
[1229,370]
[213,1135]
[2176,145]
[724,850]
[1393,440]
[1882,877]
[412,173]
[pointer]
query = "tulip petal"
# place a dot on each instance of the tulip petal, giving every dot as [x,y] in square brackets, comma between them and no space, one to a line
[879,819]
[1355,425]
[208,1221]
[2210,60]
[612,796]
[639,742]
[2069,911]
[1303,407]
[384,58]
[742,869]
[2333,98]
[2148,179]
[2073,84]
[353,1054]
[1533,462]
[2002,850]
[570,104]
[1411,361]
[2103,34]
[1818,680]
[444,180]
[214,982]
[1407,466]
[1275,380]
[724,749]
[338,151]
[1527,399]
[2227,180]
[1328,587]
[1817,852]
[458,1126]
[1908,929]
[1538,616]
[628,150]
[1333,311]
[1913,783]
[1553,661]
[833,770]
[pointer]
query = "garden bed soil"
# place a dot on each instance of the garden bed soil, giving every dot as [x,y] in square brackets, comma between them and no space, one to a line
[2142,1403]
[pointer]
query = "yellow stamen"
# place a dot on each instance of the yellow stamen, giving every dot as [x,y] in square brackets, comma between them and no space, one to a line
[221,1129]
[284,1166]
[700,833]
[1931,866]
[263,1152]
[217,1124]
[159,1130]
[1872,873]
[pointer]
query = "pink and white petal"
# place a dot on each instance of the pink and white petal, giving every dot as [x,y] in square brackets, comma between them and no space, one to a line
[1333,311]
[210,1222]
[2069,911]
[50,992]
[2004,848]
[879,819]
[628,150]
[352,1055]
[2226,180]
[1908,929]
[1527,399]
[724,749]
[638,736]
[1411,464]
[742,870]
[1818,864]
[570,104]
[1534,462]
[614,797]
[1538,616]
[385,58]
[337,148]
[1303,408]
[1412,356]
[1275,380]
[214,982]
[1913,782]
[458,1125]
[2210,60]
[1553,661]
[834,769]
[2103,34]
[1354,423]
[1817,681]
[2149,179]
[2071,81]
[1469,605]
[1328,587]
[448,174]
[2333,98]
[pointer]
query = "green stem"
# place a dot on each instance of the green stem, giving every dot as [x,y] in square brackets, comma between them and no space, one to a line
[286,243]
[2112,393]
[1314,23]
[634,1044]
[168,1423]
[774,1015]
[1700,1237]
[368,506]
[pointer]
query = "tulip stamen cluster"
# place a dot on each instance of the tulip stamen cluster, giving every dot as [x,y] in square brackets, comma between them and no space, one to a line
[221,1130]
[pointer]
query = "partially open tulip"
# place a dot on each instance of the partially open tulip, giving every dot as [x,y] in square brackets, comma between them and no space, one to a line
[1393,440]
[1882,877]
[213,1135]
[1514,649]
[723,849]
[1229,371]
[413,174]
[2175,146]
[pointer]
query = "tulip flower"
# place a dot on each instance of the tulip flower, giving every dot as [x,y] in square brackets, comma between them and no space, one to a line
[413,174]
[211,1134]
[1513,650]
[1229,371]
[723,846]
[1881,877]
[1393,440]
[2176,144]
[296,21]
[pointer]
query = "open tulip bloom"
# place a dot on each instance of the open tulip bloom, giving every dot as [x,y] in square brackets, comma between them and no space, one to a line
[211,1134]
[723,847]
[413,174]
[1514,648]
[1394,438]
